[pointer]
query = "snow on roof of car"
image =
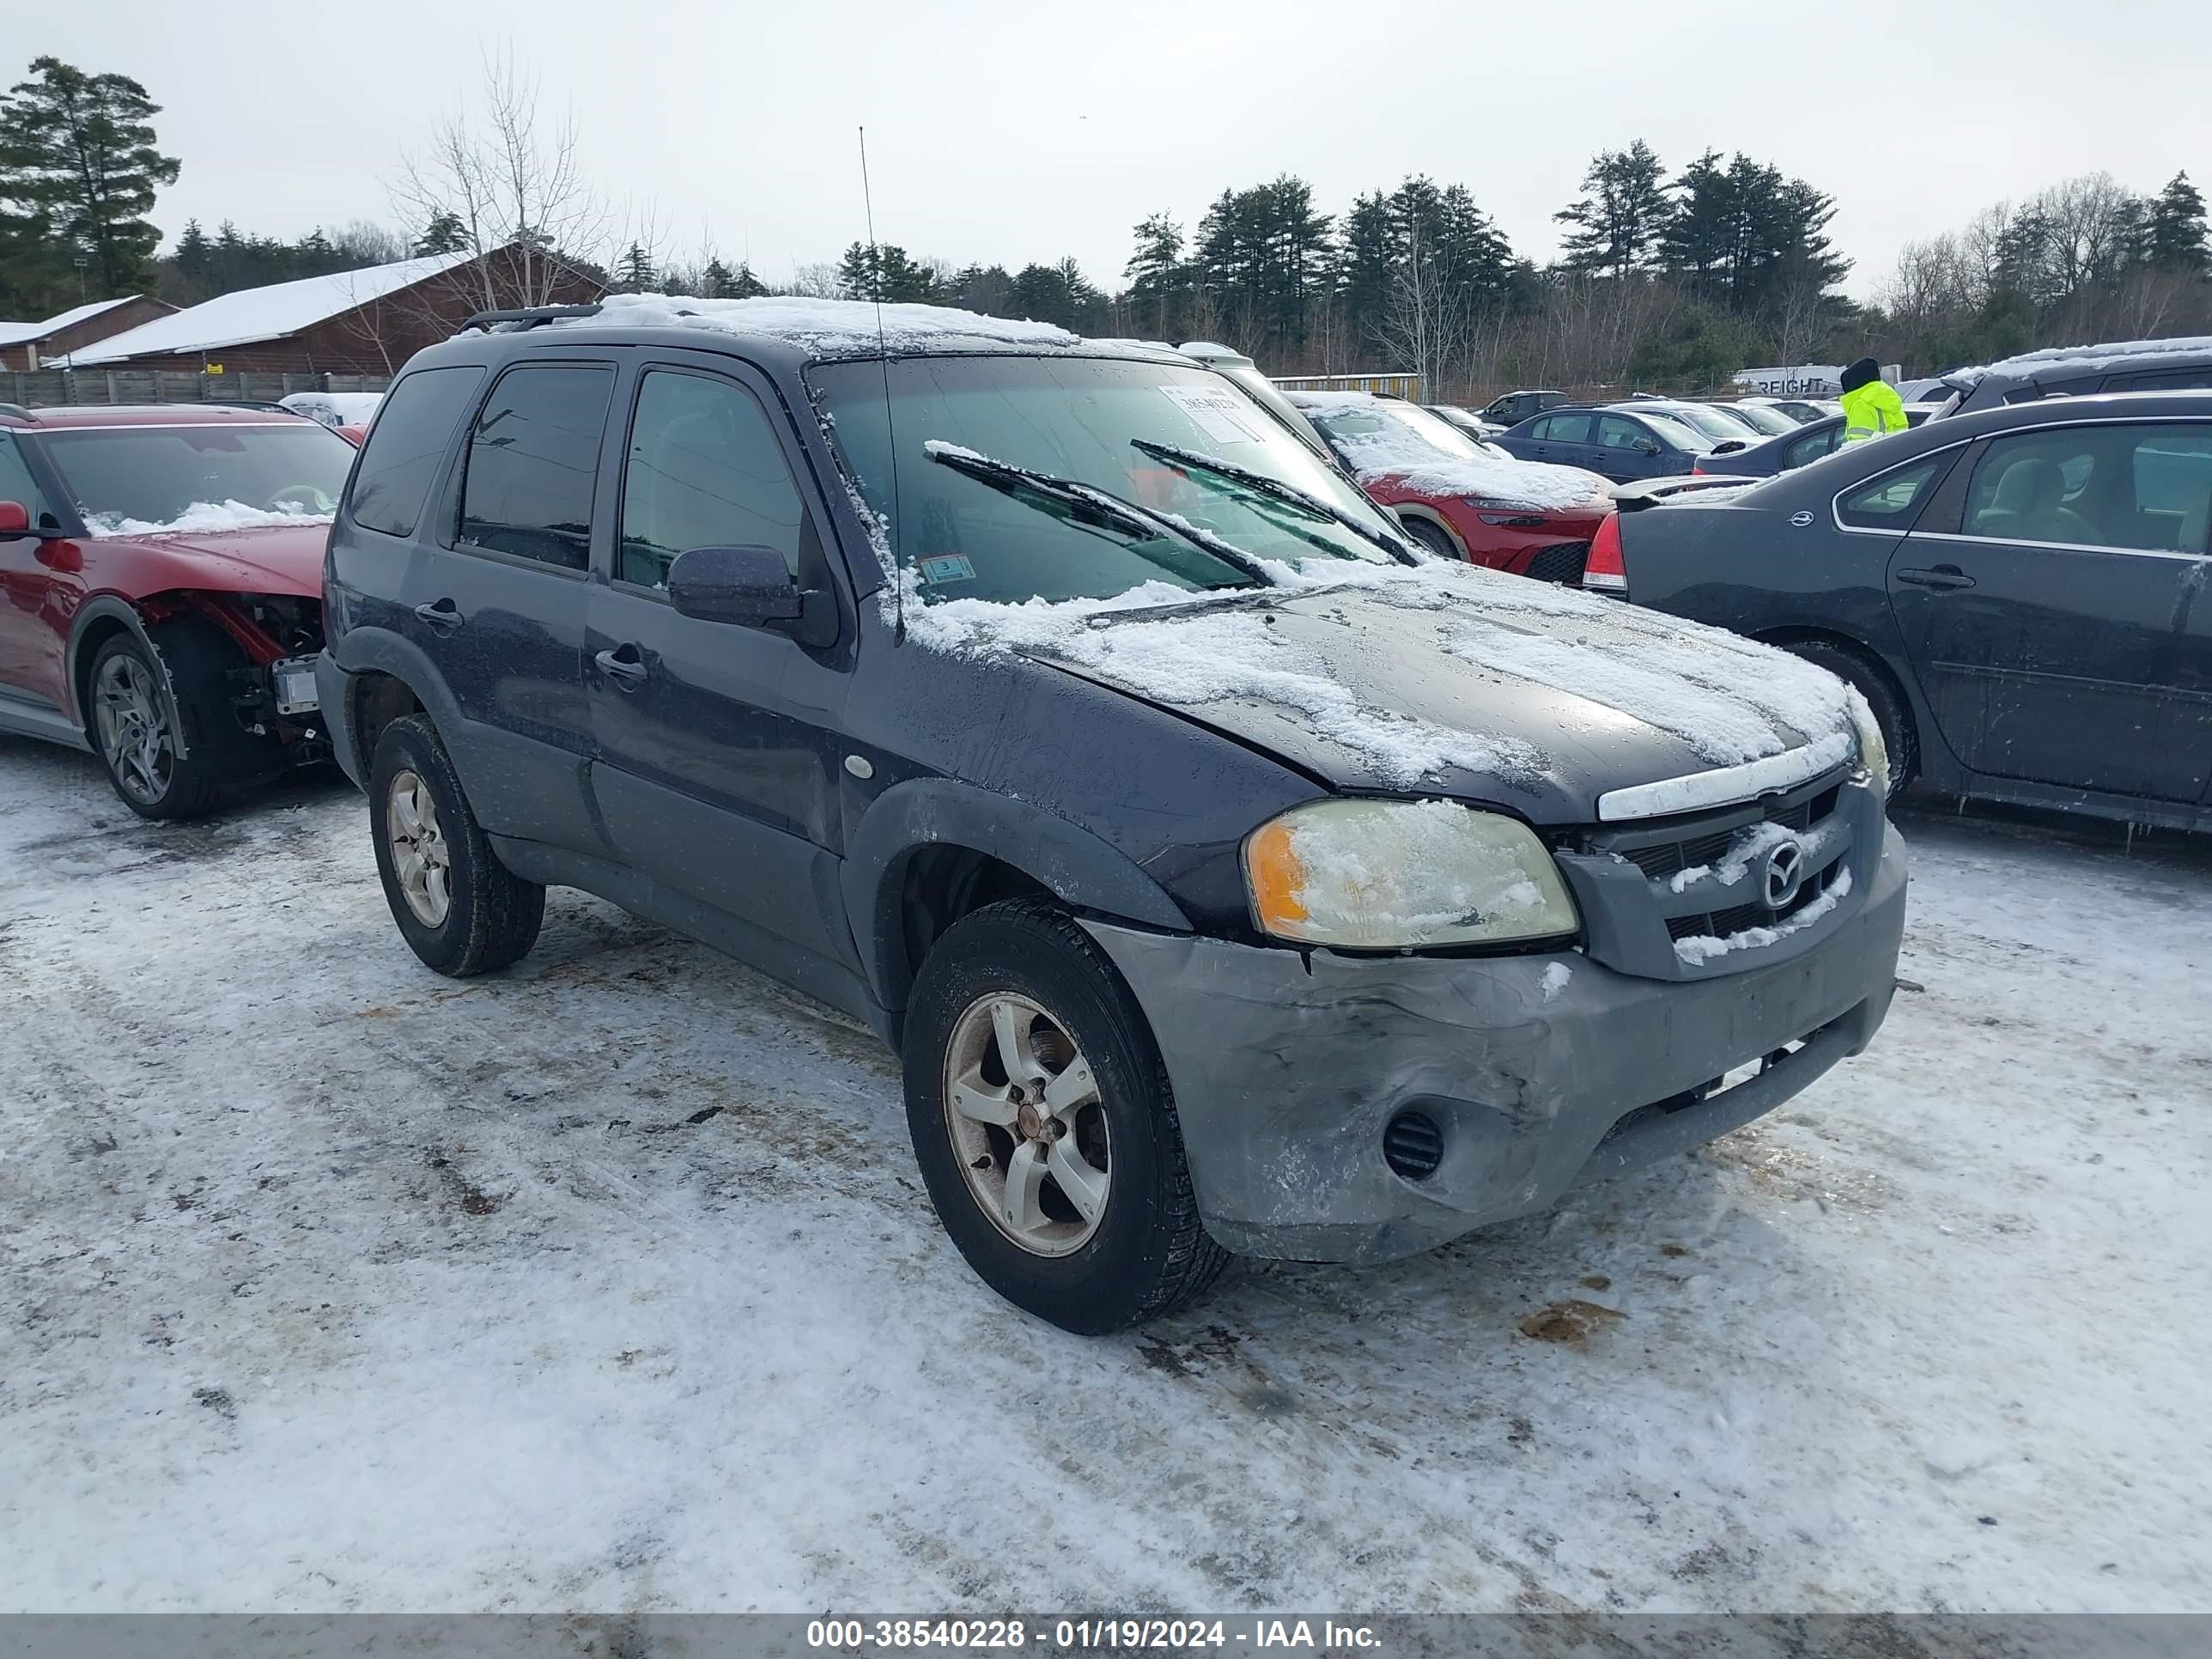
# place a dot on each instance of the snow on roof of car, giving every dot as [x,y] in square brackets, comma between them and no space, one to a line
[16,333]
[1395,450]
[263,314]
[825,327]
[2089,357]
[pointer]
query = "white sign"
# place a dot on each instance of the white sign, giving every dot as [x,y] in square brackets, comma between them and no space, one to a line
[1221,414]
[1800,380]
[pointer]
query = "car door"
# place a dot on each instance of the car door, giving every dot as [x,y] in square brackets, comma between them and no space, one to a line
[1567,441]
[38,589]
[500,587]
[2045,606]
[1625,449]
[717,766]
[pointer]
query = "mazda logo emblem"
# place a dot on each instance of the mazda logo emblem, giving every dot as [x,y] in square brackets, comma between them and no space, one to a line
[1785,874]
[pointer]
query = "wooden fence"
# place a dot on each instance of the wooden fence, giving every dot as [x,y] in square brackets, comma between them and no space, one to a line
[44,388]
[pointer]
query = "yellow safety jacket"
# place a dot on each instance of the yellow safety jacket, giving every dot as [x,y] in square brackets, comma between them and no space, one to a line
[1872,411]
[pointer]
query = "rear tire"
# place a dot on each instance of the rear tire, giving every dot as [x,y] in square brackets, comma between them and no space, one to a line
[1136,1248]
[1432,539]
[459,908]
[1900,734]
[161,722]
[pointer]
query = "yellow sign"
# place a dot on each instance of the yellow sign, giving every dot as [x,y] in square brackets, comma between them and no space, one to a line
[212,368]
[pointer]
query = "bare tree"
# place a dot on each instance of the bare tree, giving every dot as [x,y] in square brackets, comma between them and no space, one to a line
[1423,322]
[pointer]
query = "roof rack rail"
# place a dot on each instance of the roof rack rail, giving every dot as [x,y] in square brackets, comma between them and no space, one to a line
[514,321]
[16,411]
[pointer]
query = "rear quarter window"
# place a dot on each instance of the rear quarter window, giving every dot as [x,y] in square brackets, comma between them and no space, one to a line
[407,445]
[1892,500]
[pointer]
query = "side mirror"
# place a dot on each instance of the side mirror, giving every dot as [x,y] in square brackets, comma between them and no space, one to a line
[1646,446]
[750,587]
[14,519]
[1730,446]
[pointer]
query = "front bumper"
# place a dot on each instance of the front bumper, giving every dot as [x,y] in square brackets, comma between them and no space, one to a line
[1286,1066]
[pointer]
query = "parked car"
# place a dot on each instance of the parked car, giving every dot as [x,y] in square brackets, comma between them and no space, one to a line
[1796,448]
[1458,497]
[2017,594]
[2079,371]
[1618,444]
[1763,418]
[1516,407]
[1800,410]
[1229,875]
[1465,422]
[346,413]
[162,568]
[1725,425]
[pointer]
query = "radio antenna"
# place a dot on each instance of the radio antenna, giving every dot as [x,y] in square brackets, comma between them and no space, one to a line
[875,268]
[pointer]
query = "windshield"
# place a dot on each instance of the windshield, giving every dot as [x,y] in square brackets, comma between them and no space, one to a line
[136,478]
[1720,427]
[971,532]
[1772,421]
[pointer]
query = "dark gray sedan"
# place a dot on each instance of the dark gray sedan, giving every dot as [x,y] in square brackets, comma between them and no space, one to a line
[2021,595]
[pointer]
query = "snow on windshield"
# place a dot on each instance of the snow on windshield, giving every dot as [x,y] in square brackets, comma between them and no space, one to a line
[827,326]
[1379,442]
[200,518]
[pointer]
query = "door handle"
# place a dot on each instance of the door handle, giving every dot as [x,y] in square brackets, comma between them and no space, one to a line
[1943,576]
[624,671]
[444,614]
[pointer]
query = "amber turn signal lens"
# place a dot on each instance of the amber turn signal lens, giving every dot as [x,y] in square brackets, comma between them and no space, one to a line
[1277,877]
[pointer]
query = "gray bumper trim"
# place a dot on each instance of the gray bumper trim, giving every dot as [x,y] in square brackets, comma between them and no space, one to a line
[1286,1066]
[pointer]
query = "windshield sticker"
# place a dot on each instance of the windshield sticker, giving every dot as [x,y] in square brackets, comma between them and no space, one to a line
[947,568]
[1221,414]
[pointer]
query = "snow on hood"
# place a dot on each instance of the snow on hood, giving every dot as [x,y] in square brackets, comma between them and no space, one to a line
[1359,657]
[1399,454]
[826,326]
[202,518]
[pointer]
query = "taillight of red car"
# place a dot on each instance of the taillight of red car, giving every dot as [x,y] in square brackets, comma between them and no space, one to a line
[1605,572]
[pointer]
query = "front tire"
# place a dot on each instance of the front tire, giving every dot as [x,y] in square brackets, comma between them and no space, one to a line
[1900,735]
[1044,1125]
[160,719]
[459,908]
[1432,539]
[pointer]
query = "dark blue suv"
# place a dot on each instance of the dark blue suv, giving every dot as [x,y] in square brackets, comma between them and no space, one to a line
[1230,877]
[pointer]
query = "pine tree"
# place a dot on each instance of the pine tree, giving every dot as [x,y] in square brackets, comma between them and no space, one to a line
[1366,264]
[1620,223]
[445,233]
[634,272]
[195,260]
[1158,280]
[80,148]
[2176,237]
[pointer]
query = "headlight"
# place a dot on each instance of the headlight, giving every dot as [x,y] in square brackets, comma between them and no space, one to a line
[1384,875]
[1873,753]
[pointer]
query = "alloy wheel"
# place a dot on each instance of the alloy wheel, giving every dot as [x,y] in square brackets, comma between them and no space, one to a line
[420,860]
[135,734]
[1027,1124]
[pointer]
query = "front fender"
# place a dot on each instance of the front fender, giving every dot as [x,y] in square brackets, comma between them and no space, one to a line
[1077,866]
[101,608]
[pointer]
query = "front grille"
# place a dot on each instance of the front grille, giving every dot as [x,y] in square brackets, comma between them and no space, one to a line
[1663,859]
[1720,924]
[1562,561]
[1413,1145]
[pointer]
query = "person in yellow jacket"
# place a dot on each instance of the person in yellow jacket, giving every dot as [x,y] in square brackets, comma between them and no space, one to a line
[1871,405]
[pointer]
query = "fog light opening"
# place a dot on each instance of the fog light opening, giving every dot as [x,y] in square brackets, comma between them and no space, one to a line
[1413,1145]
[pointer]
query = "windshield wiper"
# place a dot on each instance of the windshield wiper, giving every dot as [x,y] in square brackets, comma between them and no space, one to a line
[1100,505]
[1274,489]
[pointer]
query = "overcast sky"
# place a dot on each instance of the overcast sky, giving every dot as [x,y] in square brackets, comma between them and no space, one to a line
[1012,132]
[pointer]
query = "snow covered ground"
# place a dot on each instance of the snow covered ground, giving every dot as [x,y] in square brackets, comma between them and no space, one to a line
[607,1284]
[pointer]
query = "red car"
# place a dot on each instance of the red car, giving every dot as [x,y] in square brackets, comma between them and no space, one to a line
[1458,497]
[162,573]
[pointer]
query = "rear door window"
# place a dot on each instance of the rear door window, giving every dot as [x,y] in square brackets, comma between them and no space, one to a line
[407,446]
[1564,428]
[1894,500]
[533,463]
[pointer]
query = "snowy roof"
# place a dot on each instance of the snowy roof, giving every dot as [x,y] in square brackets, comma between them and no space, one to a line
[2089,357]
[1395,448]
[17,333]
[827,327]
[263,314]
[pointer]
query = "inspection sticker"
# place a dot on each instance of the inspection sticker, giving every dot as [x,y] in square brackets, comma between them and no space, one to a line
[1221,414]
[947,568]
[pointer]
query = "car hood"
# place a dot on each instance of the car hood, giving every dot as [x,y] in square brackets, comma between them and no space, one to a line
[268,559]
[1452,680]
